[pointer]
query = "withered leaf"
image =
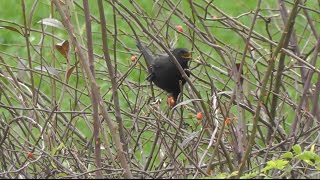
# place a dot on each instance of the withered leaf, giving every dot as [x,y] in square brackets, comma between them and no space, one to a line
[63,48]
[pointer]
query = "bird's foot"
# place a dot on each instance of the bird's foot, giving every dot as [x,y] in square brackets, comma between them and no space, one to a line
[171,102]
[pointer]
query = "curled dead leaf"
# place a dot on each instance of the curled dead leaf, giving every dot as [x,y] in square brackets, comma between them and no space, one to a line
[63,48]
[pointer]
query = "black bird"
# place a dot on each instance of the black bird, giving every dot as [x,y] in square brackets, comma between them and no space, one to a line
[163,72]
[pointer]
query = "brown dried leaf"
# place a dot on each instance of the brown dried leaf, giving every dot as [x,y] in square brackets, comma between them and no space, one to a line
[63,48]
[69,72]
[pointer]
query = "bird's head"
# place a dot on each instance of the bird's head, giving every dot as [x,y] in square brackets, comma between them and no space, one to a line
[182,54]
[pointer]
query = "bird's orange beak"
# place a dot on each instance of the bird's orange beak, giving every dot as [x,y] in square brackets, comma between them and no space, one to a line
[187,55]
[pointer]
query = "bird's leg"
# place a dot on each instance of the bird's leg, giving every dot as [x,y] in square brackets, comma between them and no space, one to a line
[181,90]
[171,101]
[152,92]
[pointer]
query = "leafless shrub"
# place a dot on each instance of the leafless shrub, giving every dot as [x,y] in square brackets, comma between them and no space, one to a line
[74,101]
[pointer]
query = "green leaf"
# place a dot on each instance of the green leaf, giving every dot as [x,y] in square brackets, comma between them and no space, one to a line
[312,148]
[4,79]
[66,164]
[297,149]
[234,173]
[275,164]
[223,175]
[249,175]
[309,162]
[11,29]
[219,176]
[306,155]
[287,155]
[61,146]
[309,157]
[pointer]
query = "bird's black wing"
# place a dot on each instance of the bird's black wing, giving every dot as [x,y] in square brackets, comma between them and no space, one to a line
[158,67]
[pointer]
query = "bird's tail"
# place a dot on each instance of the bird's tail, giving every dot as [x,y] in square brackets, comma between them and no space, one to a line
[147,54]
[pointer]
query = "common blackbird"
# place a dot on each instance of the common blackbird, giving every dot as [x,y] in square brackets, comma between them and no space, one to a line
[163,72]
